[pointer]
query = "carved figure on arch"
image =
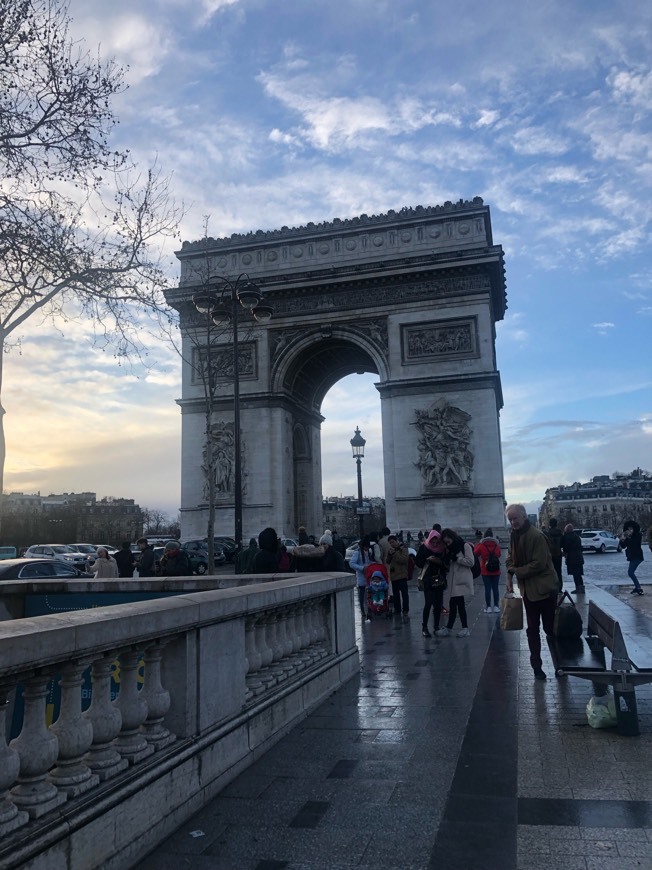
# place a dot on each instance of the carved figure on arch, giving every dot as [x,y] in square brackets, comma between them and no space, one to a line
[219,454]
[445,458]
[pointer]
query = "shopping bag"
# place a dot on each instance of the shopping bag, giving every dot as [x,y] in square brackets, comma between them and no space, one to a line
[568,622]
[601,711]
[511,612]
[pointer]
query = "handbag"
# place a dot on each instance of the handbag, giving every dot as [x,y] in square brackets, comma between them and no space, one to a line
[568,622]
[511,612]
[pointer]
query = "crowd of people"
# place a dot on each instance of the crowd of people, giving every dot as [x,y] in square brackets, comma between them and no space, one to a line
[445,562]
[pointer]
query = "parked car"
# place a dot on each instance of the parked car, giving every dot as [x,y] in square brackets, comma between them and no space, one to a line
[598,540]
[228,545]
[40,569]
[109,549]
[87,549]
[56,551]
[198,552]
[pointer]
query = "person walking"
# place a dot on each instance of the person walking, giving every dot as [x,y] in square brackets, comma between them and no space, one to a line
[431,560]
[460,580]
[105,567]
[488,552]
[359,561]
[571,546]
[398,559]
[632,540]
[125,560]
[530,562]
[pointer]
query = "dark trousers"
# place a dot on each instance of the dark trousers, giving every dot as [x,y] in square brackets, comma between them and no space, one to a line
[457,606]
[362,598]
[433,599]
[579,580]
[556,561]
[537,612]
[401,596]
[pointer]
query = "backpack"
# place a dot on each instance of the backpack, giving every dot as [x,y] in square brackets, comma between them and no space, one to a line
[493,562]
[476,571]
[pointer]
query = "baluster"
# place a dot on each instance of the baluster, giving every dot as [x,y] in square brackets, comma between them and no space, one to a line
[264,633]
[157,699]
[287,662]
[254,660]
[262,644]
[106,721]
[10,816]
[74,733]
[131,743]
[38,749]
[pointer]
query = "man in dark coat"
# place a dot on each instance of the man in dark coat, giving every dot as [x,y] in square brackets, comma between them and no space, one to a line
[571,545]
[245,561]
[554,536]
[175,562]
[125,559]
[147,561]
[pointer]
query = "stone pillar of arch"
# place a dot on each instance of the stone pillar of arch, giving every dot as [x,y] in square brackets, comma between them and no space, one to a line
[411,296]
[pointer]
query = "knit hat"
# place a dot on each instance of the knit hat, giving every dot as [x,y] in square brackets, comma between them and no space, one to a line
[568,528]
[326,538]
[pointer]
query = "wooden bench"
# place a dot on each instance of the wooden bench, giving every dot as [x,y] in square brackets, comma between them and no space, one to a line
[631,659]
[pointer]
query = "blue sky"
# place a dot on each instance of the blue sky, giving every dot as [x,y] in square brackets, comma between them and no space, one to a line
[280,113]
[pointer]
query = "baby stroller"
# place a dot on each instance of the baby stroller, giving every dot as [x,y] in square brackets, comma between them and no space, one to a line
[377,582]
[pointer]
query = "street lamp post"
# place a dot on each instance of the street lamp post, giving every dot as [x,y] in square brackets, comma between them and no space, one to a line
[357,445]
[223,306]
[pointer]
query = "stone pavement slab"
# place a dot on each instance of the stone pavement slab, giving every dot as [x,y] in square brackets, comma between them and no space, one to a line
[443,753]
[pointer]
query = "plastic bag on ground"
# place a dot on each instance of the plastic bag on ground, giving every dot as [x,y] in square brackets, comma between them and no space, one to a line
[601,711]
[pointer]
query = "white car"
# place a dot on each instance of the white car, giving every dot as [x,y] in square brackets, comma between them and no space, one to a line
[56,551]
[598,540]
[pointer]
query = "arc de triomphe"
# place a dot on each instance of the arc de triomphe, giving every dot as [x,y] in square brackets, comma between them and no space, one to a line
[411,296]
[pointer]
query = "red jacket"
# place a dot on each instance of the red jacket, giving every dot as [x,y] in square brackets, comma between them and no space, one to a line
[483,550]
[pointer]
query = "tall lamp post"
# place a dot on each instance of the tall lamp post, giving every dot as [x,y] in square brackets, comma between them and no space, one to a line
[223,306]
[357,446]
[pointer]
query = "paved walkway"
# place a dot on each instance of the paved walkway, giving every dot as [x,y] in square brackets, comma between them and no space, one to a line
[444,753]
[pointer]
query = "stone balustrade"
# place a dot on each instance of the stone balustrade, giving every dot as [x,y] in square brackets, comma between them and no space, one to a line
[202,682]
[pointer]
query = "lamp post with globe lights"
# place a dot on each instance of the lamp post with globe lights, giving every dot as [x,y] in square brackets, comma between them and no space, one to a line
[222,305]
[357,446]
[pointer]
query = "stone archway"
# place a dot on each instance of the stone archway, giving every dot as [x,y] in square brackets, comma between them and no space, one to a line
[412,296]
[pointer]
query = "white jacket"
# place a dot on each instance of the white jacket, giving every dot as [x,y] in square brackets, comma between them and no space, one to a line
[460,576]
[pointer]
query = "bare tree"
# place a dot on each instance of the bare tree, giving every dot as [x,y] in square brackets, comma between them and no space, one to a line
[207,349]
[80,227]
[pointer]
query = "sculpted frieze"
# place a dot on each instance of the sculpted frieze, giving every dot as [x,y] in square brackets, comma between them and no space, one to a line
[363,297]
[444,437]
[221,361]
[452,338]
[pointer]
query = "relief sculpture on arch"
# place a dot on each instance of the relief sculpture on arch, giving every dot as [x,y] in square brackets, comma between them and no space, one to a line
[445,457]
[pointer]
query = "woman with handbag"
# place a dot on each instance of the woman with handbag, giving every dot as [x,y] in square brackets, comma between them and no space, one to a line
[431,560]
[460,580]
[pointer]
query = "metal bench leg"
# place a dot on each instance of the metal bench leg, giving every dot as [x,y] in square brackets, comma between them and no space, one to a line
[626,711]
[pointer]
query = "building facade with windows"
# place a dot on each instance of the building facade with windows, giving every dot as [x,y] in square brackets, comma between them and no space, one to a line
[605,502]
